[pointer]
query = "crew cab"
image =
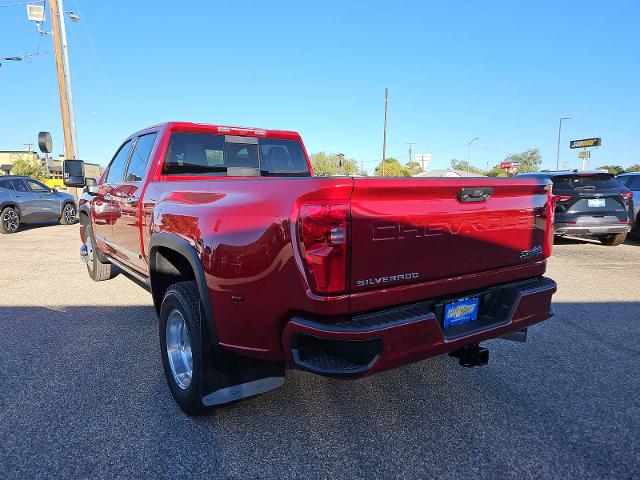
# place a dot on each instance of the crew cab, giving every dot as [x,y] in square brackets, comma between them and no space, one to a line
[256,266]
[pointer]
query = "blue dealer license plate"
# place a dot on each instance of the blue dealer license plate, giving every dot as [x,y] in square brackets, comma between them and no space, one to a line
[461,311]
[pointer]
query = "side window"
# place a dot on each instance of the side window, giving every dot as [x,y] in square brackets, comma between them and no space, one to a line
[38,187]
[634,184]
[19,186]
[118,164]
[626,181]
[140,157]
[6,184]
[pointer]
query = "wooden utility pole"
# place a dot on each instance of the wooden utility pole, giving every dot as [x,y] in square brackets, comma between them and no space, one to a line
[410,145]
[62,85]
[384,135]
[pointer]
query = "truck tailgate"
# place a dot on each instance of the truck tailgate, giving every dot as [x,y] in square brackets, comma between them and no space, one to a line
[415,230]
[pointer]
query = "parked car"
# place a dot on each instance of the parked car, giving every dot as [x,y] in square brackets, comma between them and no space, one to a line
[255,265]
[26,200]
[631,180]
[589,203]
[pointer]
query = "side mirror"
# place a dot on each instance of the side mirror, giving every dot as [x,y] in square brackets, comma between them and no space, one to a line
[73,173]
[55,188]
[91,186]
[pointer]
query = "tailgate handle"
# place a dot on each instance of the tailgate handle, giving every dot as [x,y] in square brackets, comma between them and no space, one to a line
[475,194]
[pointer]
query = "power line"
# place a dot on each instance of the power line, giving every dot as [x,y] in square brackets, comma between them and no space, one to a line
[6,5]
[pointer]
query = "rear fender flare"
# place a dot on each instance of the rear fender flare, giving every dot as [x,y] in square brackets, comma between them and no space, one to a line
[184,248]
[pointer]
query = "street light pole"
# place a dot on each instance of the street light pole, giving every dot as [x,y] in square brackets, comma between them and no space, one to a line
[559,133]
[469,150]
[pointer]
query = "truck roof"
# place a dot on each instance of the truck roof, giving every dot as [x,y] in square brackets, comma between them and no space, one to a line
[225,130]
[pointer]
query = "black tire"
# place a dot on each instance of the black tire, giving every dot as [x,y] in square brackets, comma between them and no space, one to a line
[98,270]
[69,212]
[9,220]
[613,239]
[182,297]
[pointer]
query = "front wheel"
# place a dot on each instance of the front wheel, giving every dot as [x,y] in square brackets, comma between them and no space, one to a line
[613,239]
[68,214]
[98,271]
[9,220]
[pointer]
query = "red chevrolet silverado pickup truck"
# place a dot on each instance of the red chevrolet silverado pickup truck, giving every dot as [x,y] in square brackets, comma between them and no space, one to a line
[255,265]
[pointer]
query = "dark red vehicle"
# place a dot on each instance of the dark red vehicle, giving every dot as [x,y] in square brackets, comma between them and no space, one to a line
[255,265]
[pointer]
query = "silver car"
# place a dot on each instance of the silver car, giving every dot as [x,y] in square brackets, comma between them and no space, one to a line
[25,200]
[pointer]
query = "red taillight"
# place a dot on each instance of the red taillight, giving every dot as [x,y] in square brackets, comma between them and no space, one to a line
[551,211]
[323,230]
[627,195]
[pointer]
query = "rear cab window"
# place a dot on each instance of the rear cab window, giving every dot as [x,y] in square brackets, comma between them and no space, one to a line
[230,155]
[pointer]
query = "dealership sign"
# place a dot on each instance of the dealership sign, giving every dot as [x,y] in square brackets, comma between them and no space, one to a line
[585,142]
[508,165]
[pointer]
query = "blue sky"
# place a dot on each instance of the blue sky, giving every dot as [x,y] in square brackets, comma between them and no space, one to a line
[503,71]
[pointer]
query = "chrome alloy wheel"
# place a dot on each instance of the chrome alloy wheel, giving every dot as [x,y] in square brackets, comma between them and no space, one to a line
[11,220]
[69,213]
[88,243]
[178,341]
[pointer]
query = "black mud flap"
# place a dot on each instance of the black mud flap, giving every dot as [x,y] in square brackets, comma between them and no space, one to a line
[228,377]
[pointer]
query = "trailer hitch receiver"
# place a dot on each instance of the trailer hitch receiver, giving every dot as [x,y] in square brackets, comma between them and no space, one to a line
[472,355]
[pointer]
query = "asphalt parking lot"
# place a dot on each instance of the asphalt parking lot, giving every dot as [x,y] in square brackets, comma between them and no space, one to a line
[83,393]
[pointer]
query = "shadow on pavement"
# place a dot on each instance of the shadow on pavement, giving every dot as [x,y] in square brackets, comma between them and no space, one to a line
[24,227]
[84,395]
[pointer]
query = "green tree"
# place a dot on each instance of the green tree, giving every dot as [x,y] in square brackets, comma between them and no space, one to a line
[633,168]
[465,166]
[393,168]
[529,160]
[496,171]
[29,168]
[612,169]
[329,164]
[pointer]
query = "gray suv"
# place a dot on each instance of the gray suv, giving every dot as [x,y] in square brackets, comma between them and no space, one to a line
[25,200]
[631,180]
